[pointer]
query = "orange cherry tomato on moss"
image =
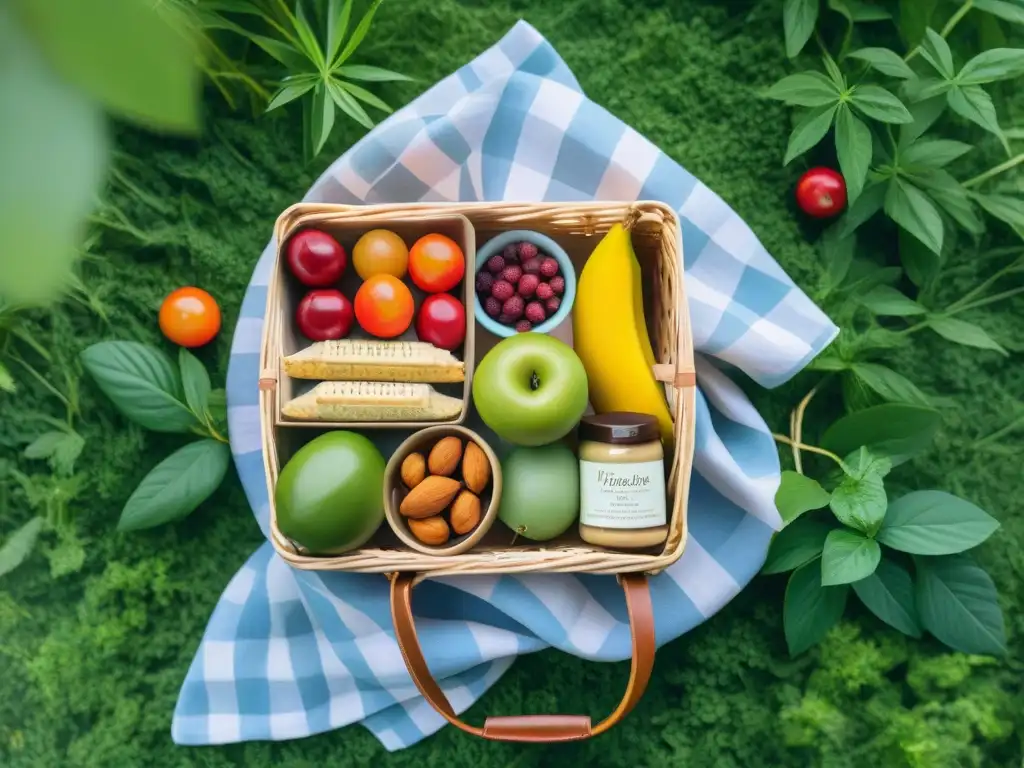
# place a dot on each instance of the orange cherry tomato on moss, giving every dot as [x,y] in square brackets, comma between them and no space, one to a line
[436,263]
[384,306]
[190,317]
[821,192]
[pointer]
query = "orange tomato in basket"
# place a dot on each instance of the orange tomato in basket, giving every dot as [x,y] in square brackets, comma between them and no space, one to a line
[436,263]
[190,317]
[384,306]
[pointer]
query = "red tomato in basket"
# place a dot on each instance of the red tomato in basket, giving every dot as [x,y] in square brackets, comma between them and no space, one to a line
[316,258]
[821,192]
[324,314]
[442,321]
[384,306]
[436,263]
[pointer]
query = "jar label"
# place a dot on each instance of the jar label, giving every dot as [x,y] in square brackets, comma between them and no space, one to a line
[622,495]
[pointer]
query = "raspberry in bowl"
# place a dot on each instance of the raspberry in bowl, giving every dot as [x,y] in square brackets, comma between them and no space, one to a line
[524,282]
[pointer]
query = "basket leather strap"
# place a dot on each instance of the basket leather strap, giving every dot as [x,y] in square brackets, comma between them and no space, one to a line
[531,728]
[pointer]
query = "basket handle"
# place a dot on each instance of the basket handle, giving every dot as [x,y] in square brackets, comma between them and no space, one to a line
[531,728]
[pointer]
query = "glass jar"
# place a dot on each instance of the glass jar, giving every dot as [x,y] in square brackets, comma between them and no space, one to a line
[622,481]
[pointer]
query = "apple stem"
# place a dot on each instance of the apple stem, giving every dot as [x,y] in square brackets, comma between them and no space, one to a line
[534,381]
[519,530]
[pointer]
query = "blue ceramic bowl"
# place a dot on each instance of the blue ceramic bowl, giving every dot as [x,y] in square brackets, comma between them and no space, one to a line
[548,246]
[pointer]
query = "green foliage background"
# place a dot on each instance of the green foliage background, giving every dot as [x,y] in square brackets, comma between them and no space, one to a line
[91,663]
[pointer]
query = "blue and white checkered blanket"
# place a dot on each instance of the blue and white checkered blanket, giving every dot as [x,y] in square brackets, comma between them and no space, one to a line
[291,653]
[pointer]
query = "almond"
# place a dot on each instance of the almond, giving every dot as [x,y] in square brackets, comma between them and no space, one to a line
[444,456]
[414,470]
[430,530]
[476,468]
[465,512]
[430,497]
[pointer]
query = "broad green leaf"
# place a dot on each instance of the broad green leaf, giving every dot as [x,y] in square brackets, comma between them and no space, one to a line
[933,153]
[349,105]
[837,253]
[889,594]
[853,146]
[996,64]
[289,93]
[920,262]
[60,448]
[962,332]
[795,545]
[924,114]
[914,18]
[177,485]
[809,131]
[885,61]
[53,152]
[365,96]
[805,89]
[798,494]
[927,88]
[292,58]
[867,205]
[911,209]
[895,430]
[338,14]
[798,20]
[359,33]
[856,11]
[370,74]
[810,610]
[974,104]
[1009,210]
[865,275]
[141,382]
[218,406]
[886,301]
[828,363]
[945,190]
[892,386]
[935,523]
[859,501]
[6,380]
[195,382]
[321,117]
[878,103]
[935,50]
[139,63]
[834,72]
[864,461]
[1009,11]
[19,545]
[848,556]
[959,605]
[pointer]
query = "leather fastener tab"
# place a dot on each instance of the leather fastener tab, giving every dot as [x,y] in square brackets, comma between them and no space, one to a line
[537,728]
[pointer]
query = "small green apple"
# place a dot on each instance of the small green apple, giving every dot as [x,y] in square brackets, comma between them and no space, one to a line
[531,389]
[540,496]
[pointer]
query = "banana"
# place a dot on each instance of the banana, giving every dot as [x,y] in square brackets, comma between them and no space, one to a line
[610,333]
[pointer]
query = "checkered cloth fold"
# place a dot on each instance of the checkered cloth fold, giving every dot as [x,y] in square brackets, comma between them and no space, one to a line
[291,653]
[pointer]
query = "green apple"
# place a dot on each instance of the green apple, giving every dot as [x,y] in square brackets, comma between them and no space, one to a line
[531,389]
[540,496]
[330,494]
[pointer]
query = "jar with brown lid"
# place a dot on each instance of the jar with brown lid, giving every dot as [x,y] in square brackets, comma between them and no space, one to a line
[622,481]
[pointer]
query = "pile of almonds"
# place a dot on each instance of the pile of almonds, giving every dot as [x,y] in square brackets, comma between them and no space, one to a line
[434,490]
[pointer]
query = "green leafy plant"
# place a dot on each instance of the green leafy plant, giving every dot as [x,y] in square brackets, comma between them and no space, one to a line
[904,559]
[147,387]
[319,68]
[66,64]
[882,106]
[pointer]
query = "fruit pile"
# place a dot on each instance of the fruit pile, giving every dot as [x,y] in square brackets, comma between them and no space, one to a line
[521,286]
[383,306]
[437,504]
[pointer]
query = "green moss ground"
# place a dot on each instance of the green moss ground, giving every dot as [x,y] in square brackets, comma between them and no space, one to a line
[91,663]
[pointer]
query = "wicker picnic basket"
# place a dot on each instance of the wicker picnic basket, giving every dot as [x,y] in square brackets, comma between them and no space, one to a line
[577,227]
